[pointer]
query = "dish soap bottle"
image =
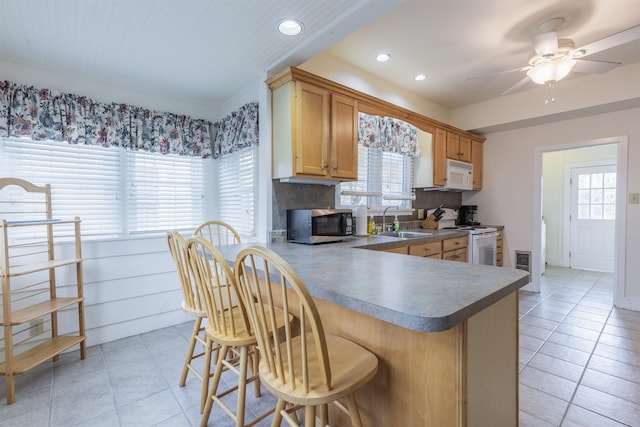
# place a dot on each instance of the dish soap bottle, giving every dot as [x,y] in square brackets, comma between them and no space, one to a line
[396,224]
[371,226]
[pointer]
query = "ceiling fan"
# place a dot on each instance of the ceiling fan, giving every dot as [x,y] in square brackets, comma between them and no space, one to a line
[553,58]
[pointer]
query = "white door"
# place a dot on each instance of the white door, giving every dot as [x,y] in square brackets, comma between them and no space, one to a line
[593,214]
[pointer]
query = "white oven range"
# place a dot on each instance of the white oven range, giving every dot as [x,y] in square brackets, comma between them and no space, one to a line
[482,244]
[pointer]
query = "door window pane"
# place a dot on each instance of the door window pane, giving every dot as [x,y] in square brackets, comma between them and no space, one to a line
[597,196]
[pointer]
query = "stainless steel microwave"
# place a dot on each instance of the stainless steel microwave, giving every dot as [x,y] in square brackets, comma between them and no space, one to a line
[312,226]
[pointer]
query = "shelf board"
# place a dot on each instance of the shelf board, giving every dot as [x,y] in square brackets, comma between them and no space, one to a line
[35,311]
[41,352]
[19,270]
[30,222]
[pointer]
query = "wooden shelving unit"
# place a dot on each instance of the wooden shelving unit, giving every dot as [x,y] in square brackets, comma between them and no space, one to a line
[28,265]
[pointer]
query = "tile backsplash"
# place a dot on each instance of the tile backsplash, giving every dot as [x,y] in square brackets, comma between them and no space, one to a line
[298,196]
[302,196]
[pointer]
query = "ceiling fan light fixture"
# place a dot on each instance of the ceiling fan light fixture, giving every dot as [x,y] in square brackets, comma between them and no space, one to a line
[551,71]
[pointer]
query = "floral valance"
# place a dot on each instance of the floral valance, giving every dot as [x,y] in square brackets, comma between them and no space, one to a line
[388,134]
[47,114]
[236,131]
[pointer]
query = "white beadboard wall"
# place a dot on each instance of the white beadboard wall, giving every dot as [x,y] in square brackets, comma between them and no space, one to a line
[130,287]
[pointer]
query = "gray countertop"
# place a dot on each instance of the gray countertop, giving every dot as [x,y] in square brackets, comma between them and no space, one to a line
[417,293]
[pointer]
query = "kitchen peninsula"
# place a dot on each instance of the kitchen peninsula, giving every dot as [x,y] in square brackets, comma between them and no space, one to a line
[446,333]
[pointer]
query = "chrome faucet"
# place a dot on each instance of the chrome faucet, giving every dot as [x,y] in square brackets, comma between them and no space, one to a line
[384,216]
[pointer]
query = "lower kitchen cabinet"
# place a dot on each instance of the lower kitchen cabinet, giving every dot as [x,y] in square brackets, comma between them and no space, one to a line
[499,248]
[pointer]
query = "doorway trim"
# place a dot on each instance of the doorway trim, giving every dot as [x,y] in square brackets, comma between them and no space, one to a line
[621,212]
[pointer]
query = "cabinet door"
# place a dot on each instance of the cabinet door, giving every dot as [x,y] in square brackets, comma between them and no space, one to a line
[397,250]
[426,249]
[455,243]
[312,130]
[439,157]
[453,146]
[344,138]
[457,255]
[476,160]
[464,149]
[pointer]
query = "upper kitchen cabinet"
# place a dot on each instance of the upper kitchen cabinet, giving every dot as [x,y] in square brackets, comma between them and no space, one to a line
[476,160]
[448,144]
[458,147]
[315,131]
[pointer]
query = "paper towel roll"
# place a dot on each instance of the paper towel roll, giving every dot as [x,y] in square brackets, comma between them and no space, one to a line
[361,220]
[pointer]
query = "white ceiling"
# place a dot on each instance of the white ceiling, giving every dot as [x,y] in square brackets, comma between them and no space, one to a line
[209,50]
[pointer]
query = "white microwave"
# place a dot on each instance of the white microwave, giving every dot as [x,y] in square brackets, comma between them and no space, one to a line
[459,175]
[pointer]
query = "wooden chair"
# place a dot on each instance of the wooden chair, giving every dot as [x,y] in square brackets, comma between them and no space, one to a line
[193,305]
[309,370]
[218,233]
[228,325]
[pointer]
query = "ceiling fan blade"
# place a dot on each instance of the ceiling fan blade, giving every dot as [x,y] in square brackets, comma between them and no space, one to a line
[617,39]
[545,44]
[497,73]
[516,86]
[593,67]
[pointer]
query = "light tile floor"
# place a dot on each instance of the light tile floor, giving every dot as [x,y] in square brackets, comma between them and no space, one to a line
[579,355]
[579,366]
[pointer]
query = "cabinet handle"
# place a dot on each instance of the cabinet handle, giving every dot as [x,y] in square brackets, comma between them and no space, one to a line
[325,166]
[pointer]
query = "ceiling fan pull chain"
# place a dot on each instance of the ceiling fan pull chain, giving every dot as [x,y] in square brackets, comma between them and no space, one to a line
[550,93]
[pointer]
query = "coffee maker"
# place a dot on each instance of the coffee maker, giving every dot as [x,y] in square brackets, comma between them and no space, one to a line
[468,215]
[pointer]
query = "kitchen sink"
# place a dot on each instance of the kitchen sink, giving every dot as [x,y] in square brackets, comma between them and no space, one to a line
[405,234]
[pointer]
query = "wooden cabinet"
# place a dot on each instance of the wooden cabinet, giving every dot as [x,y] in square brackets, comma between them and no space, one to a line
[458,147]
[397,250]
[28,268]
[315,132]
[455,249]
[439,157]
[499,248]
[432,249]
[476,160]
[451,145]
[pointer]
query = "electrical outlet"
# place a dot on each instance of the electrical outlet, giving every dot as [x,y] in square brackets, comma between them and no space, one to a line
[36,327]
[634,198]
[278,236]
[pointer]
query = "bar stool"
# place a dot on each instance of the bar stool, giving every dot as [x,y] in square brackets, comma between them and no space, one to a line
[192,304]
[309,370]
[228,325]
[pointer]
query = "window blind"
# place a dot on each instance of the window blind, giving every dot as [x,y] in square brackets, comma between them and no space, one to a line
[163,192]
[237,183]
[115,192]
[378,173]
[84,180]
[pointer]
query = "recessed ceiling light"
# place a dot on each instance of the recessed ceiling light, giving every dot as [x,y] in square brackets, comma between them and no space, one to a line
[420,77]
[383,57]
[290,27]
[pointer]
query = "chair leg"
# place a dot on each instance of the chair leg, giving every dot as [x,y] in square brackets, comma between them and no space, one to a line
[214,385]
[242,386]
[310,416]
[277,413]
[254,370]
[353,410]
[206,374]
[324,415]
[192,346]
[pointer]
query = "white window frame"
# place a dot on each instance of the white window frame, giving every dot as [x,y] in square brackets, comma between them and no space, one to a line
[375,183]
[178,180]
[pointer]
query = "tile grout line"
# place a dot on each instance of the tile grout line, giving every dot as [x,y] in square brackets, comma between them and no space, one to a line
[586,293]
